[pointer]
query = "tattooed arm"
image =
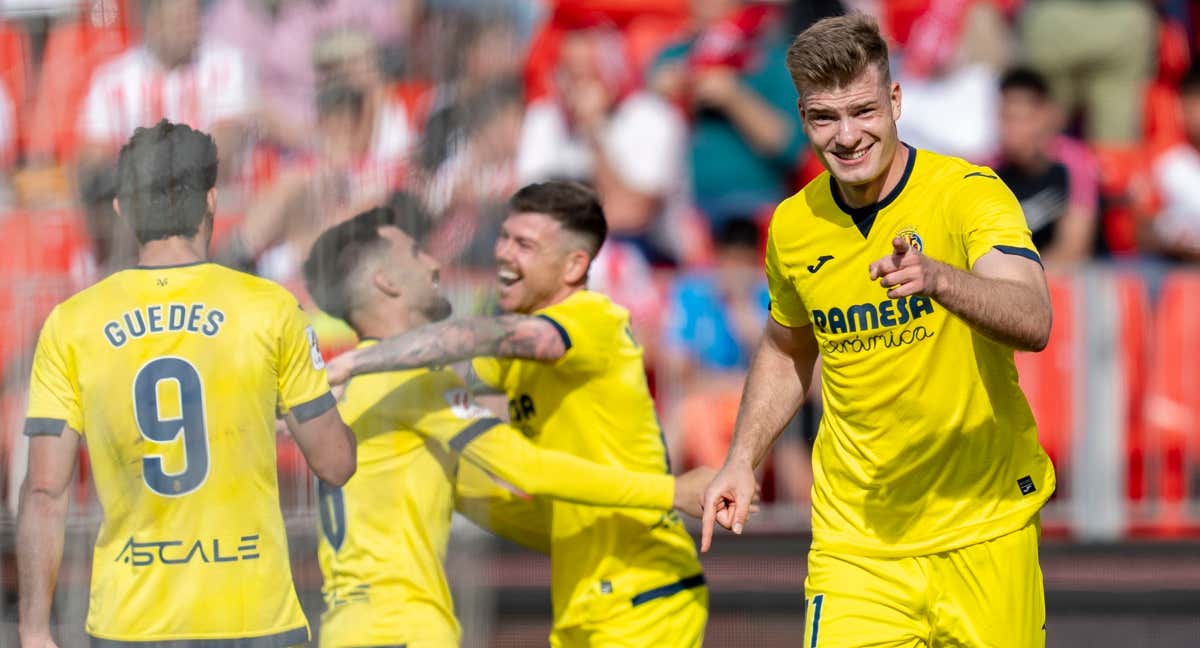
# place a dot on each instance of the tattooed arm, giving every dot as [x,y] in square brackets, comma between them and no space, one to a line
[506,336]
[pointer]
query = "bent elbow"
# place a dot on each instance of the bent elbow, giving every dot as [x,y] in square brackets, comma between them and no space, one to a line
[337,475]
[1040,337]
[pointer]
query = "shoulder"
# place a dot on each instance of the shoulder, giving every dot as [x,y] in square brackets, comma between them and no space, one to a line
[259,293]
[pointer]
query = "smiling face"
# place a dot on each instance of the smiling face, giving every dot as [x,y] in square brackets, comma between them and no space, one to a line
[537,262]
[852,129]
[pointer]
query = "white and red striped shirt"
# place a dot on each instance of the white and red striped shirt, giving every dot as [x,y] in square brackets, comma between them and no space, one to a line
[135,90]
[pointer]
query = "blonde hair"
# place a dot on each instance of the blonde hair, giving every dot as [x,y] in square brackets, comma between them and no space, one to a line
[835,51]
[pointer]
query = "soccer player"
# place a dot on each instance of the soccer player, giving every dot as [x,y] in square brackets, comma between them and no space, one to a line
[912,276]
[384,533]
[174,371]
[575,382]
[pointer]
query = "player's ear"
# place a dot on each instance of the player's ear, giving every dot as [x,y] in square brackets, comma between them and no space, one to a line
[116,207]
[577,267]
[212,201]
[386,283]
[894,96]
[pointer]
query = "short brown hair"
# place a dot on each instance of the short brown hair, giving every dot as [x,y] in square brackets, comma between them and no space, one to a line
[833,52]
[575,207]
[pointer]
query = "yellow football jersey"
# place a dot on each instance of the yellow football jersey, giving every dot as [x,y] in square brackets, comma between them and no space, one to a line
[927,443]
[173,376]
[594,403]
[384,534]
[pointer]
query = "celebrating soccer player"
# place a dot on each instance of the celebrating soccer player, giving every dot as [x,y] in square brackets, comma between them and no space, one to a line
[913,277]
[574,378]
[384,533]
[173,372]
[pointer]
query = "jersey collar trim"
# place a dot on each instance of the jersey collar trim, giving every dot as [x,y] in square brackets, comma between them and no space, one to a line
[167,267]
[864,217]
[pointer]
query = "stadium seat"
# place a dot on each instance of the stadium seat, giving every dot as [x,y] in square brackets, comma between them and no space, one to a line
[1047,378]
[1172,408]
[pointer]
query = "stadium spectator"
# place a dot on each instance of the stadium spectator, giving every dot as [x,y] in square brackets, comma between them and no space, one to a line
[175,74]
[630,145]
[714,318]
[278,38]
[470,187]
[483,53]
[178,401]
[1097,56]
[745,140]
[345,174]
[1175,230]
[950,55]
[1053,176]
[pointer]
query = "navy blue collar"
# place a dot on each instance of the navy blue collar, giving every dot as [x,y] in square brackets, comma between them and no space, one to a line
[864,217]
[166,267]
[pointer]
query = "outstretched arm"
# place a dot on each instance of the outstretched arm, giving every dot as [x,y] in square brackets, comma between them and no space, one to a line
[506,453]
[41,524]
[779,376]
[507,336]
[1004,296]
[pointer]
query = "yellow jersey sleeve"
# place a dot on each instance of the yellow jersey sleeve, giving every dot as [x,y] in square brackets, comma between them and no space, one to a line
[490,371]
[989,217]
[786,306]
[303,387]
[463,427]
[587,352]
[53,393]
[516,517]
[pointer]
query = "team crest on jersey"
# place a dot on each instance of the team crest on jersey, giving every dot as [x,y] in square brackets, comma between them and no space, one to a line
[464,406]
[910,236]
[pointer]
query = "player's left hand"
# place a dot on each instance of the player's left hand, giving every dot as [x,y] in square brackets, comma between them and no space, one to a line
[906,271]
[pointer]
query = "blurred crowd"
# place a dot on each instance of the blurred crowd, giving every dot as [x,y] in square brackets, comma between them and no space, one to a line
[679,112]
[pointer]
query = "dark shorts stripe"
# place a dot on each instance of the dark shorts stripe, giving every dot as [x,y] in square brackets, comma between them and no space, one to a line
[472,432]
[44,427]
[558,327]
[314,408]
[293,637]
[1019,251]
[668,590]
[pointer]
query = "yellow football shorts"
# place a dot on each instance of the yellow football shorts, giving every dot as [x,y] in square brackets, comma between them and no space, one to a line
[675,621]
[984,595]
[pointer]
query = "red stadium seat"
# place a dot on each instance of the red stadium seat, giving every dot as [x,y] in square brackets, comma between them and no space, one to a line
[1172,408]
[1047,377]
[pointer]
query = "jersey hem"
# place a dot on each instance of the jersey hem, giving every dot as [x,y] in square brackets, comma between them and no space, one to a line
[275,638]
[959,538]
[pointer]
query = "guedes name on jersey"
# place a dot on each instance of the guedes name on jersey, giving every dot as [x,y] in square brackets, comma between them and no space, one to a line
[868,317]
[164,318]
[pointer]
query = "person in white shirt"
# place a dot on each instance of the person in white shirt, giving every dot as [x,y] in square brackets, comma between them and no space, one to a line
[172,74]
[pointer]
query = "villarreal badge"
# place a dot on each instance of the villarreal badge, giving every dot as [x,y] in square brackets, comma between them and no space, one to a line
[910,235]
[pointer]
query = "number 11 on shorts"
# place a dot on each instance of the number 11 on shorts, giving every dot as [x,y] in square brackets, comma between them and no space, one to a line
[814,620]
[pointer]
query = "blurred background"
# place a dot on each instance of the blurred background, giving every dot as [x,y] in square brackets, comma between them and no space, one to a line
[682,115]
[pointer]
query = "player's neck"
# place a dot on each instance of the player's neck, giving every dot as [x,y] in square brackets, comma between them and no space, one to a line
[173,250]
[380,325]
[869,193]
[558,297]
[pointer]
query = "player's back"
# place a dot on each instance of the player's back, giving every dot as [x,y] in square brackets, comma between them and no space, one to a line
[384,533]
[177,374]
[595,403]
